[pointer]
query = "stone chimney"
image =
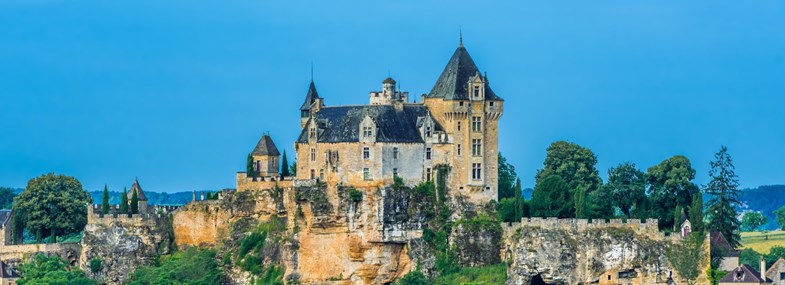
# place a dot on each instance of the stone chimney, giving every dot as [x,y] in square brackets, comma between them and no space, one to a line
[763,270]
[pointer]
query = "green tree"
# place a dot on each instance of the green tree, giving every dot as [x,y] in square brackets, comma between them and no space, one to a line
[124,202]
[249,169]
[779,216]
[670,185]
[105,201]
[749,256]
[134,202]
[284,165]
[52,270]
[723,190]
[599,205]
[626,187]
[752,221]
[507,178]
[677,213]
[551,198]
[696,213]
[688,257]
[191,266]
[53,205]
[293,168]
[6,197]
[579,198]
[575,164]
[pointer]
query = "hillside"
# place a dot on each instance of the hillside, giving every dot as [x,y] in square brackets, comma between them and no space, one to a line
[153,198]
[765,199]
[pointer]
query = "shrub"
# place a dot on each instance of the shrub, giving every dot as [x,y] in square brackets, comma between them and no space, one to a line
[192,266]
[95,265]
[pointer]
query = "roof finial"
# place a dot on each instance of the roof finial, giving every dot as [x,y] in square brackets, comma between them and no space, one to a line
[460,36]
[312,71]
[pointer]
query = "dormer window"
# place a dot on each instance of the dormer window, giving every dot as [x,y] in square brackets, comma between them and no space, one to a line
[367,132]
[428,131]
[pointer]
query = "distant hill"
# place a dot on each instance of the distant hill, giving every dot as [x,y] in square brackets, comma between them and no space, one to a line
[765,199]
[153,198]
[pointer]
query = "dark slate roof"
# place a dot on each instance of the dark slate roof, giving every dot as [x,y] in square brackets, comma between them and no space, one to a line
[718,240]
[342,123]
[309,98]
[743,274]
[452,82]
[265,146]
[389,80]
[6,271]
[139,193]
[5,216]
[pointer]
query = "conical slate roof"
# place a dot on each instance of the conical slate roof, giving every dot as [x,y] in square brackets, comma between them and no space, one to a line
[452,82]
[310,97]
[139,193]
[265,146]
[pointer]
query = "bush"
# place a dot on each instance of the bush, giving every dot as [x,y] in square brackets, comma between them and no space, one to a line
[413,278]
[52,270]
[192,266]
[95,265]
[355,195]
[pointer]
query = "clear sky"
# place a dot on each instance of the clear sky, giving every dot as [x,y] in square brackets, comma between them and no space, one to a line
[177,94]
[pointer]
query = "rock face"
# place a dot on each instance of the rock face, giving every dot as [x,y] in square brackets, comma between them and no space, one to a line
[575,252]
[123,244]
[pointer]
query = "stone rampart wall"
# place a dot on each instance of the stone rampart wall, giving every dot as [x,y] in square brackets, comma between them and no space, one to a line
[648,228]
[20,251]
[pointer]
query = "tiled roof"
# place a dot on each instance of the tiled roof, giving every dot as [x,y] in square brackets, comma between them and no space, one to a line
[453,81]
[743,274]
[342,123]
[718,240]
[265,146]
[310,97]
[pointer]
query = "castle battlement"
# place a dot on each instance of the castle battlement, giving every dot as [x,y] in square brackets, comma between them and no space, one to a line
[648,227]
[94,213]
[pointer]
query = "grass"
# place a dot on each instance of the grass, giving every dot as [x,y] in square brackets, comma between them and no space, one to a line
[758,242]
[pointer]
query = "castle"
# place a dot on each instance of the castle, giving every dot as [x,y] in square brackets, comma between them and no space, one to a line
[366,146]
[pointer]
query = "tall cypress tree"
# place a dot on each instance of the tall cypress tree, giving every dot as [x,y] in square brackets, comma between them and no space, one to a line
[696,213]
[724,193]
[249,166]
[134,203]
[284,165]
[105,201]
[124,202]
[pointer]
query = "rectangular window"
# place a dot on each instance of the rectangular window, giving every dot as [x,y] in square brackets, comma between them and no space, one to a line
[459,149]
[366,153]
[459,126]
[312,132]
[326,157]
[428,131]
[490,103]
[321,174]
[313,174]
[366,174]
[367,132]
[428,153]
[476,91]
[395,152]
[476,124]
[476,171]
[476,147]
[428,174]
[313,154]
[460,103]
[395,172]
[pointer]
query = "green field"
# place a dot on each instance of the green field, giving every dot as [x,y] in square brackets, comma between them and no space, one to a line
[758,242]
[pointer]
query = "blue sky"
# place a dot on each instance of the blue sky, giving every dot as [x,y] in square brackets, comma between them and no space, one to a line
[177,94]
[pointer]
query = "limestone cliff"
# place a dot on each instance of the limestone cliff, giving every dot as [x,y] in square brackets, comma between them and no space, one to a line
[123,244]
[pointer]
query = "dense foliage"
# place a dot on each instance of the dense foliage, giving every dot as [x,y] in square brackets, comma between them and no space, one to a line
[779,216]
[507,177]
[192,266]
[724,197]
[486,275]
[105,201]
[52,270]
[134,202]
[750,256]
[249,256]
[670,186]
[576,165]
[551,198]
[53,205]
[687,257]
[124,202]
[6,197]
[249,169]
[284,165]
[627,189]
[765,199]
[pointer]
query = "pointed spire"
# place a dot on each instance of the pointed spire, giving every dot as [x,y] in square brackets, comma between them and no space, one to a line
[451,84]
[311,71]
[460,36]
[310,97]
[265,146]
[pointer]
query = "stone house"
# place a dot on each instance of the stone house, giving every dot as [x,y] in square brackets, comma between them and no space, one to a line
[730,256]
[366,146]
[777,272]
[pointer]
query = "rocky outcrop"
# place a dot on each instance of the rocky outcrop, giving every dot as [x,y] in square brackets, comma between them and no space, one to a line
[122,244]
[606,254]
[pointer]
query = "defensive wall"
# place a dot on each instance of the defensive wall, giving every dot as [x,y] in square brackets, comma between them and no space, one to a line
[94,215]
[648,228]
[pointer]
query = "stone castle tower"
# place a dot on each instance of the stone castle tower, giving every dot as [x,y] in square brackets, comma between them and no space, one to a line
[265,157]
[365,146]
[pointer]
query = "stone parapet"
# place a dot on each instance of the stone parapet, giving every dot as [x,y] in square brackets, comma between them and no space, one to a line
[648,227]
